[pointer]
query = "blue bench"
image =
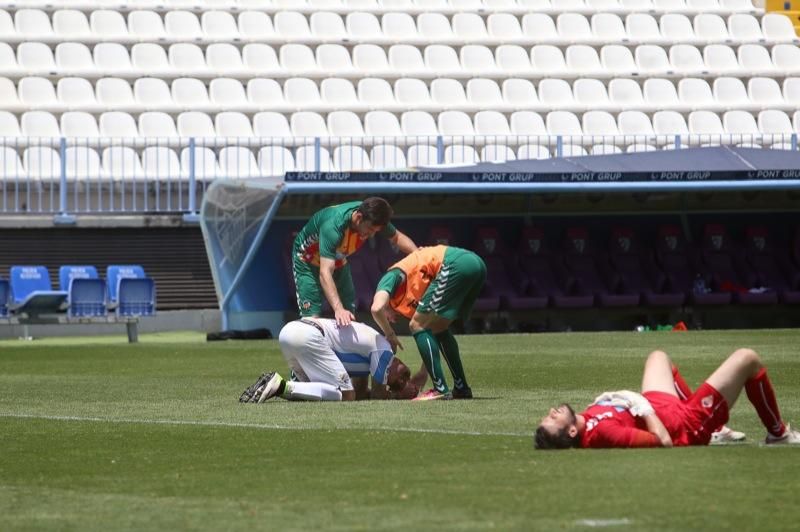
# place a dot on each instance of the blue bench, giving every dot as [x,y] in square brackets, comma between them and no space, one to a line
[83,297]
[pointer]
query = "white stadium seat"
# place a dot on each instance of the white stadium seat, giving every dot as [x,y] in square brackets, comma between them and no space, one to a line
[519,93]
[744,28]
[405,58]
[37,92]
[149,58]
[533,151]
[527,124]
[387,156]
[187,59]
[477,59]
[146,26]
[765,92]
[710,27]
[205,163]
[617,59]
[122,163]
[227,93]
[275,160]
[370,59]
[71,25]
[219,25]
[8,95]
[642,27]
[156,124]
[418,124]
[470,27]
[182,26]
[348,158]
[434,27]
[190,93]
[652,59]
[232,124]
[195,124]
[730,92]
[35,58]
[721,59]
[297,59]
[512,59]
[564,123]
[118,124]
[255,25]
[442,59]
[82,162]
[339,93]
[775,124]
[555,93]
[608,27]
[32,24]
[497,153]
[705,123]
[445,93]
[574,28]
[460,155]
[152,93]
[583,60]
[305,159]
[327,26]
[791,91]
[41,162]
[414,92]
[696,93]
[669,123]
[224,58]
[382,124]
[74,58]
[635,124]
[334,59]
[363,27]
[625,93]
[538,26]
[686,59]
[455,123]
[301,93]
[600,125]
[676,28]
[308,124]
[79,124]
[260,59]
[271,124]
[238,162]
[591,93]
[786,57]
[375,93]
[39,124]
[345,124]
[484,93]
[605,149]
[422,155]
[548,60]
[10,163]
[778,27]
[160,162]
[9,127]
[399,27]
[491,123]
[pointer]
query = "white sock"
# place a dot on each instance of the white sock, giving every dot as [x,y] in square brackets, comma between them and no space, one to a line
[311,391]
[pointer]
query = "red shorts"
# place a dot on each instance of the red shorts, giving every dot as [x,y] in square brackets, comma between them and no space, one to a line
[691,422]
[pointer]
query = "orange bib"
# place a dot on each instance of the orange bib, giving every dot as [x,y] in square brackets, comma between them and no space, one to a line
[420,268]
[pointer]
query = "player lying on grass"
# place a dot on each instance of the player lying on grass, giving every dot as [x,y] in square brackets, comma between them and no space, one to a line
[432,287]
[658,417]
[333,363]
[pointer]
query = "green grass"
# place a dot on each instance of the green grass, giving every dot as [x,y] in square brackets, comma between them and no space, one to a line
[96,434]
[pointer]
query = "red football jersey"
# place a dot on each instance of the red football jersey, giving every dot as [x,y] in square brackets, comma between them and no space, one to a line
[608,426]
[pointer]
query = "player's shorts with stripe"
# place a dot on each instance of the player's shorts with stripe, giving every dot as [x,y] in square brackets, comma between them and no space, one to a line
[455,288]
[310,357]
[692,421]
[309,291]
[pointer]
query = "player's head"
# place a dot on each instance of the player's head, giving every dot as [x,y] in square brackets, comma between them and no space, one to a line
[371,216]
[398,375]
[558,429]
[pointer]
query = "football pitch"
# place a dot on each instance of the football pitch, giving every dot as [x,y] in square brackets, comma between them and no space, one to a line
[101,435]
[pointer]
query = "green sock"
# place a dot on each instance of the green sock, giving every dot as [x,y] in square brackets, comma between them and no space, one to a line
[449,347]
[429,351]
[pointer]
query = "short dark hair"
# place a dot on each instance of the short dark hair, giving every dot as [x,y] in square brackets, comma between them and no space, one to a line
[545,440]
[376,210]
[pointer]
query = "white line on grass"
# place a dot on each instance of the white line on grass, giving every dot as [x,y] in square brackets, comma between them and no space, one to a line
[603,522]
[259,426]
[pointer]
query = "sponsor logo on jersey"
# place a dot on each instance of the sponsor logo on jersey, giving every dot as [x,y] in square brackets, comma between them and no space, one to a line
[707,401]
[306,305]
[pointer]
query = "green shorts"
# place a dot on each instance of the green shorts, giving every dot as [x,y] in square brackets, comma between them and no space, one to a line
[309,291]
[456,287]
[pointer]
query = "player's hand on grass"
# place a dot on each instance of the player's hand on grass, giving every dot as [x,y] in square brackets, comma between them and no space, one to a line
[344,317]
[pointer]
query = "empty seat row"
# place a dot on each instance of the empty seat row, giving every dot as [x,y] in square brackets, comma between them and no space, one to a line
[163,164]
[411,6]
[359,26]
[258,94]
[231,127]
[402,60]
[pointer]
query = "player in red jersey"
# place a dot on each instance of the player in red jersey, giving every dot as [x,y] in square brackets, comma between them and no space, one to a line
[658,417]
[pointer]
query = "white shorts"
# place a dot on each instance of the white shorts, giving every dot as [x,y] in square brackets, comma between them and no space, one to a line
[310,356]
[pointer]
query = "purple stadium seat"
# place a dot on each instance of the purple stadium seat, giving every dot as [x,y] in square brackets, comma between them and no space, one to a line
[505,281]
[639,270]
[727,269]
[769,268]
[610,288]
[545,274]
[676,261]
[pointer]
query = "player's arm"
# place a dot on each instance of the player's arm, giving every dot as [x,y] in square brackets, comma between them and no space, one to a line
[326,269]
[329,238]
[380,304]
[379,391]
[403,242]
[361,388]
[657,429]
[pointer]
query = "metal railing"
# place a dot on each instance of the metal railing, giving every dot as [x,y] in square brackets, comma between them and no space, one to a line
[67,176]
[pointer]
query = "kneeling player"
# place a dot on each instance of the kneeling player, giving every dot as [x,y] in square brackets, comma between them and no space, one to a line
[327,359]
[658,417]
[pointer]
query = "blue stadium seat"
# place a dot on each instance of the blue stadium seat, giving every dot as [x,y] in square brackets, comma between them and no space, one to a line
[86,292]
[5,297]
[32,293]
[137,297]
[67,273]
[115,273]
